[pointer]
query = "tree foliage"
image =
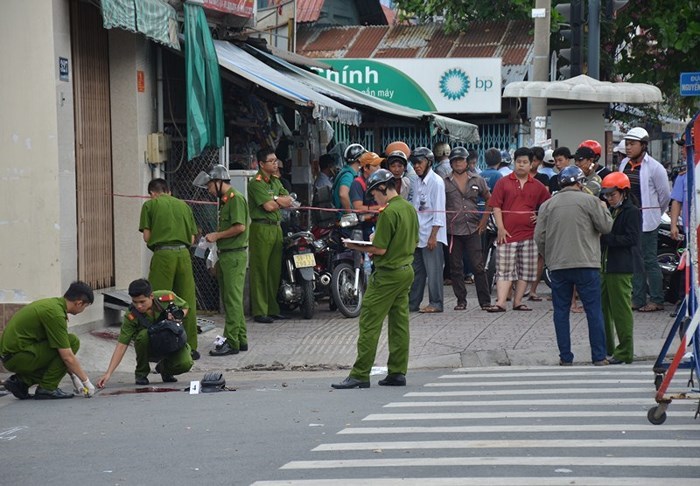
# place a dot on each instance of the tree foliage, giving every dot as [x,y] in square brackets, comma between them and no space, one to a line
[646,42]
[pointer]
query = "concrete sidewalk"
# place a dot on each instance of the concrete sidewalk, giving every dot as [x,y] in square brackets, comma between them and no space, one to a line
[450,339]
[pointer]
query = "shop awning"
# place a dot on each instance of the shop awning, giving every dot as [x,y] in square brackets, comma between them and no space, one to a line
[454,129]
[247,66]
[155,19]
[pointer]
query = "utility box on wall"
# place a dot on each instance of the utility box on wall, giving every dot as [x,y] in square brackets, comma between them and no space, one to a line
[157,148]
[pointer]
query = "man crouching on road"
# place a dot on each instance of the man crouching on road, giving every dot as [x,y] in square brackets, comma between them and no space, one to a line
[393,245]
[36,345]
[149,308]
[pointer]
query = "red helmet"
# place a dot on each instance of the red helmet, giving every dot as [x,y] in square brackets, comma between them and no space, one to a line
[593,145]
[615,181]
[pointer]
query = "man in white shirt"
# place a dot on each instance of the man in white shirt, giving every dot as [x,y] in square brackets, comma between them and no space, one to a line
[428,197]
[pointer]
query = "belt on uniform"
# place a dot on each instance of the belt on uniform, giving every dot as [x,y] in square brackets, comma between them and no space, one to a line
[171,247]
[5,358]
[228,250]
[266,221]
[402,267]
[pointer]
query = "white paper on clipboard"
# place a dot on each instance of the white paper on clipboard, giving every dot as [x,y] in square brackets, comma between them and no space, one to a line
[357,242]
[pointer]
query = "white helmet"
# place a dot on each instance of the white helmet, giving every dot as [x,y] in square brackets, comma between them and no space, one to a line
[637,133]
[442,149]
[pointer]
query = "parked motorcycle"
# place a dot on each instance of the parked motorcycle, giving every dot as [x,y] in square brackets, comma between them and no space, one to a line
[340,272]
[297,279]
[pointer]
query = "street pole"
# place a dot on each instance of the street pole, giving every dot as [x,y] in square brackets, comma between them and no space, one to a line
[594,39]
[540,72]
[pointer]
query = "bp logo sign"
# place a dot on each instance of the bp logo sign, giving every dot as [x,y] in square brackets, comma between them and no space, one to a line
[454,84]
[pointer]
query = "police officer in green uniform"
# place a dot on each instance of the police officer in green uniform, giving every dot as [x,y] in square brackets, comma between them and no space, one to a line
[148,307]
[266,196]
[37,347]
[231,240]
[393,244]
[168,228]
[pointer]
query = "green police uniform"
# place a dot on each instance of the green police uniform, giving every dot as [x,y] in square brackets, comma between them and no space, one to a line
[265,244]
[231,266]
[172,227]
[387,293]
[132,330]
[31,340]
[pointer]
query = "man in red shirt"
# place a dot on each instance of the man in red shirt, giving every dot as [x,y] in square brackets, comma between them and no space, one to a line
[515,201]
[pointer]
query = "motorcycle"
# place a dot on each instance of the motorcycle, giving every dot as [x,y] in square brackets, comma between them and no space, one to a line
[297,279]
[340,272]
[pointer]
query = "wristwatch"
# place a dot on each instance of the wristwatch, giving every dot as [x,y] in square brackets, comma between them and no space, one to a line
[275,198]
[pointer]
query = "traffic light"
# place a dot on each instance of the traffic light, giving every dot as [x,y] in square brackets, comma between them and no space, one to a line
[572,36]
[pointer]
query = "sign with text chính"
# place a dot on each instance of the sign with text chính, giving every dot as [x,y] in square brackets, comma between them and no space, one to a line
[449,85]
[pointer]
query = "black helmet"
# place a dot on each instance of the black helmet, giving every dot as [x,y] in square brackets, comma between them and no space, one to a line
[459,153]
[353,152]
[571,175]
[423,153]
[382,176]
[396,155]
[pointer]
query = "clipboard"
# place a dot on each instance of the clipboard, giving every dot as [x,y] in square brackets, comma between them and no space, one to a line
[357,242]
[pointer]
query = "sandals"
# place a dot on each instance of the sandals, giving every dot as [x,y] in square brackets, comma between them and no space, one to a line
[521,307]
[461,306]
[535,298]
[651,308]
[494,308]
[430,310]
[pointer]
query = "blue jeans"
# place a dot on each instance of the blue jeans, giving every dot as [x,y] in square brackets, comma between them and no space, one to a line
[587,283]
[427,265]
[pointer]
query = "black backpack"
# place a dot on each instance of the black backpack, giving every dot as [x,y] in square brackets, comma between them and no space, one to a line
[164,336]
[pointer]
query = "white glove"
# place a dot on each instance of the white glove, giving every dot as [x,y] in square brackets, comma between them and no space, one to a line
[77,384]
[88,389]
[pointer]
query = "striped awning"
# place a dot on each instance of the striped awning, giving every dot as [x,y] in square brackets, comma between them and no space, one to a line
[155,19]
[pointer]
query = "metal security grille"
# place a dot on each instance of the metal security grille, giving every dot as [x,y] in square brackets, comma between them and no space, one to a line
[93,146]
[180,173]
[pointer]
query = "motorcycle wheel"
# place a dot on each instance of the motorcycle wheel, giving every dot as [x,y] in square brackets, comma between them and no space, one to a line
[308,302]
[342,286]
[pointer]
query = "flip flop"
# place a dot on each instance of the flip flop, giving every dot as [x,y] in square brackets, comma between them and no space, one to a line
[495,308]
[535,298]
[651,308]
[461,307]
[429,310]
[521,307]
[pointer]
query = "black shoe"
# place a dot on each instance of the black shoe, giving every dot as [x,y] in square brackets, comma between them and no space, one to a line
[195,354]
[264,319]
[141,380]
[17,387]
[279,317]
[164,376]
[350,382]
[396,379]
[614,361]
[223,350]
[243,347]
[43,394]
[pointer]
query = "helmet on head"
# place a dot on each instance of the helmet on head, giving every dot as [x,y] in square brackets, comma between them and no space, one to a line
[459,153]
[615,181]
[423,153]
[505,157]
[353,152]
[637,133]
[441,149]
[382,176]
[397,155]
[571,175]
[216,173]
[398,145]
[593,145]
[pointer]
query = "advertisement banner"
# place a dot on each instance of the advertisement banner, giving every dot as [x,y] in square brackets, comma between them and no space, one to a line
[449,85]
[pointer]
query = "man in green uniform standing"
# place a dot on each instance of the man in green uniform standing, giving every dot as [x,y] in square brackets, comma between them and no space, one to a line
[231,240]
[168,229]
[393,245]
[266,196]
[148,307]
[37,347]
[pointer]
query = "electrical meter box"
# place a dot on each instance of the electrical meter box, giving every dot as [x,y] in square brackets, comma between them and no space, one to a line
[157,148]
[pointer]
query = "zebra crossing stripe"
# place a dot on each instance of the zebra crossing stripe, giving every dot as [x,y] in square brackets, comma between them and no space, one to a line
[501,369]
[504,444]
[648,373]
[648,392]
[613,381]
[521,429]
[508,415]
[523,403]
[477,481]
[558,461]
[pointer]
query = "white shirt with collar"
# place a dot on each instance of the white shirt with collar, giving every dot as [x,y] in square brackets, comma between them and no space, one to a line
[655,189]
[428,197]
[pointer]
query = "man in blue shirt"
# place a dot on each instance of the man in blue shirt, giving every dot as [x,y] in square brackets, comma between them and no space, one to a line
[493,159]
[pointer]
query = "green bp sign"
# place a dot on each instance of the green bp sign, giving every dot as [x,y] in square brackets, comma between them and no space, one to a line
[450,85]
